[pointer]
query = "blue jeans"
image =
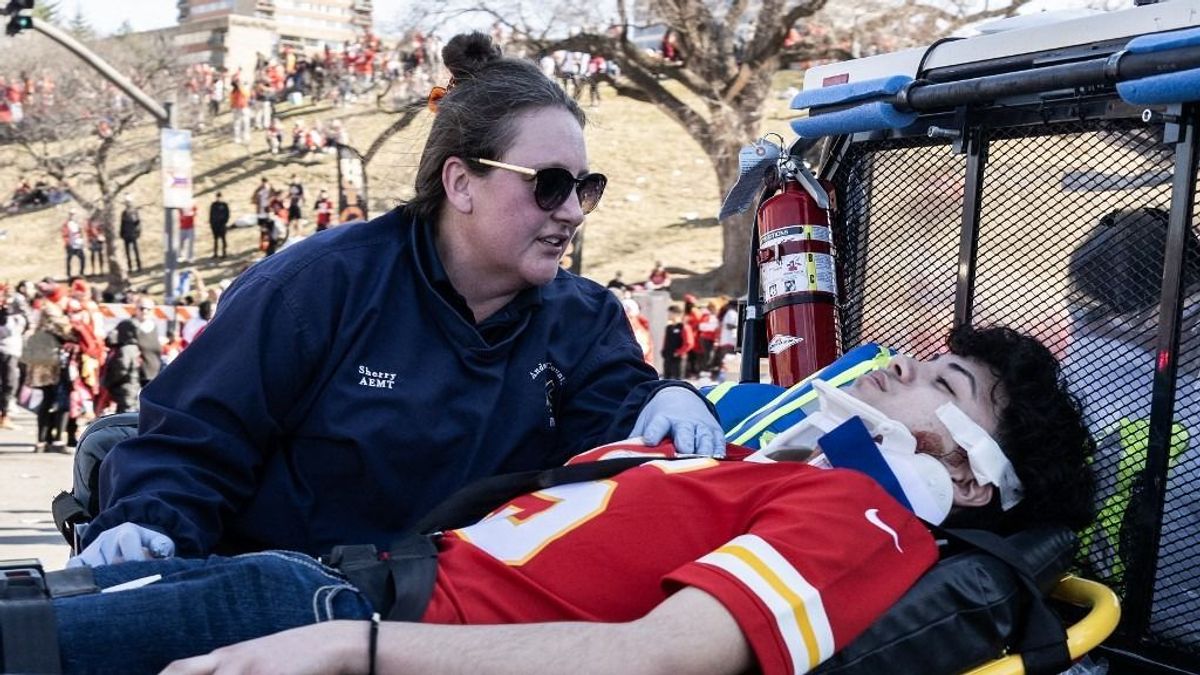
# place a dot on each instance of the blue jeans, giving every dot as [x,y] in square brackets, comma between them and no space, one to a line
[197,606]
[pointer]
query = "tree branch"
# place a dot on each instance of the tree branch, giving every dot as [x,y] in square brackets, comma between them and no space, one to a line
[146,167]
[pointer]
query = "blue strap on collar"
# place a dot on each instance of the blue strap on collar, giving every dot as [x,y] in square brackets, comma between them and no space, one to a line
[850,446]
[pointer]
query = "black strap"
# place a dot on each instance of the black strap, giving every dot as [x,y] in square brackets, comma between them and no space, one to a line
[1042,640]
[413,565]
[477,500]
[68,513]
[398,583]
[28,631]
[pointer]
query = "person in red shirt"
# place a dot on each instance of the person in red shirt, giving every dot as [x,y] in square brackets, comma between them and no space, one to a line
[678,339]
[788,564]
[96,240]
[324,210]
[641,328]
[239,107]
[700,351]
[659,278]
[187,233]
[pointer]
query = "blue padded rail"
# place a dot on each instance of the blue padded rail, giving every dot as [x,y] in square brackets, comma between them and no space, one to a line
[1159,89]
[1175,87]
[841,94]
[866,117]
[870,115]
[1158,42]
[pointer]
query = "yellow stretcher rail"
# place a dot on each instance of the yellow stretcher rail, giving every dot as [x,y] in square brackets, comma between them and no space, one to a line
[1084,635]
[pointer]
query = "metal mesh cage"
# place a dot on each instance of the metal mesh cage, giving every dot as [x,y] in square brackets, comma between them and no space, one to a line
[1071,240]
[900,204]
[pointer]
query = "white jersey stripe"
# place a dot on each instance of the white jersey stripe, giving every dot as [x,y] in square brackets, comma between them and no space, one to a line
[796,605]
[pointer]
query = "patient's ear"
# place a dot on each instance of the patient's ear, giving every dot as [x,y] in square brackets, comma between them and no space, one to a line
[968,492]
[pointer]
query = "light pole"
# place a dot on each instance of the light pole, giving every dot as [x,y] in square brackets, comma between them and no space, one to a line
[164,114]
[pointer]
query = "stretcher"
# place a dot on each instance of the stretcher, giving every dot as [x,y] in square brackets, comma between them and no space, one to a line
[970,603]
[966,175]
[1103,613]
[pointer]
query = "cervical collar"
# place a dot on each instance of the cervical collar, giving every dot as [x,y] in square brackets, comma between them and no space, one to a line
[924,482]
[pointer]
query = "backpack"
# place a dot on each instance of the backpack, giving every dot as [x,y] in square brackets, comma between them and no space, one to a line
[82,503]
[113,375]
[41,349]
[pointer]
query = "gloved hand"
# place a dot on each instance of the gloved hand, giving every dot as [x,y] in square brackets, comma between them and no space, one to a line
[681,412]
[123,543]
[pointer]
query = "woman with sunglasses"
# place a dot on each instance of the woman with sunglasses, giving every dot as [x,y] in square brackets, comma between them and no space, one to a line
[351,382]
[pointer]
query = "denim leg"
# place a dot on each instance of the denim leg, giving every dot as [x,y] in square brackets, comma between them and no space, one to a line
[198,606]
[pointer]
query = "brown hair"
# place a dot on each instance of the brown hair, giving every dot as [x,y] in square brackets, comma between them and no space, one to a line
[476,116]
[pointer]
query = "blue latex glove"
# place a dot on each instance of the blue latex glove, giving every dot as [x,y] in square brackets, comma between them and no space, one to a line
[681,412]
[123,543]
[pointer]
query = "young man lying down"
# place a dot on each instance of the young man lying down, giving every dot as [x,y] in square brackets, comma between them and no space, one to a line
[677,565]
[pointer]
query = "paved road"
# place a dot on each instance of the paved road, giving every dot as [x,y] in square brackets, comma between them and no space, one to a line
[28,482]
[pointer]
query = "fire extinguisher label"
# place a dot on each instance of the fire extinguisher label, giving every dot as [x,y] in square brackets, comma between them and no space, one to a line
[805,272]
[780,343]
[821,275]
[797,233]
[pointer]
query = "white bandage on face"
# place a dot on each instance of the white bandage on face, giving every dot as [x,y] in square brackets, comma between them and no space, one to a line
[988,462]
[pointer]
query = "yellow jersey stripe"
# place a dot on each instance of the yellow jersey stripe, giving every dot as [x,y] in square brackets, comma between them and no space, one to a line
[796,604]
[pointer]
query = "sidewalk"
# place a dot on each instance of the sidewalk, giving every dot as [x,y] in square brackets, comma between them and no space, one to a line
[28,482]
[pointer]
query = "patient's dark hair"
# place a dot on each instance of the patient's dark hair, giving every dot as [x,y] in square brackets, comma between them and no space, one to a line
[1040,428]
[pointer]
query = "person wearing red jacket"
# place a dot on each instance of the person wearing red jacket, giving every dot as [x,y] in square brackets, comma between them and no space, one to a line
[678,340]
[700,352]
[324,210]
[187,233]
[641,328]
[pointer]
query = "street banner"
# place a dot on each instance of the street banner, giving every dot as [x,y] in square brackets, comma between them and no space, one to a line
[177,168]
[352,185]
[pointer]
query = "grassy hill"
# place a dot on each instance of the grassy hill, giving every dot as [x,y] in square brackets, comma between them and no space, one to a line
[661,201]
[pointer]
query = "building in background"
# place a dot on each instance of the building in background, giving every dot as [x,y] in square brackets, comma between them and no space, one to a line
[233,33]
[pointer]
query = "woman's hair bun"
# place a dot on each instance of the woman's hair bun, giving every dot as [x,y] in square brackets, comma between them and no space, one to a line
[466,53]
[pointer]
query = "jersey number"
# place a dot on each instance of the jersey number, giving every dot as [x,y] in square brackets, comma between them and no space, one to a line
[517,532]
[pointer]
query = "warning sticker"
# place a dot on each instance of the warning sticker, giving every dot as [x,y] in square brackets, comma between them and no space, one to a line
[781,343]
[797,233]
[798,273]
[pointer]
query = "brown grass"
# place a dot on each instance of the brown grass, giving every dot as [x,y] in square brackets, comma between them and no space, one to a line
[661,201]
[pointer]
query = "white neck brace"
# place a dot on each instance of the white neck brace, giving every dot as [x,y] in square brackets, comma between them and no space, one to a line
[926,483]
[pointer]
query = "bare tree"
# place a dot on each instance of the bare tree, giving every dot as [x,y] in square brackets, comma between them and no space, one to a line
[81,131]
[728,53]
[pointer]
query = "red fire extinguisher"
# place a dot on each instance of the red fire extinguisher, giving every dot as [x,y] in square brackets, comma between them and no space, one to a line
[798,280]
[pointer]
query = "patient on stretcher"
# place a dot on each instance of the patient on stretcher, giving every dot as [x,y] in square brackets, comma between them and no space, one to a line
[679,564]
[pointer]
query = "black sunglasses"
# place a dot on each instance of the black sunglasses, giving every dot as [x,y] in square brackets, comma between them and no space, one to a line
[552,185]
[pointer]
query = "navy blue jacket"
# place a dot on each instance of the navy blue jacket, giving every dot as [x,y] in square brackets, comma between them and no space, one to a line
[341,391]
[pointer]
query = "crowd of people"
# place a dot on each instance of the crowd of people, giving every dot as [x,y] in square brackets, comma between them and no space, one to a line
[404,71]
[62,360]
[697,337]
[24,93]
[279,212]
[34,195]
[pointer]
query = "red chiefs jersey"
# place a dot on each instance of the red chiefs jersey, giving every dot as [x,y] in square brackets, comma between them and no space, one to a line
[803,558]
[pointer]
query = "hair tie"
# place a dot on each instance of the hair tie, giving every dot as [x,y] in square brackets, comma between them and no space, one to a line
[437,93]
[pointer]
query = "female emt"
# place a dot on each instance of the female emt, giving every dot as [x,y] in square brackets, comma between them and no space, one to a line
[350,383]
